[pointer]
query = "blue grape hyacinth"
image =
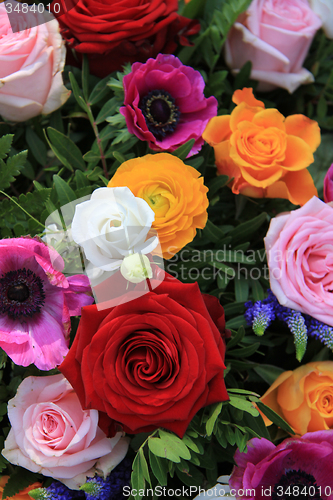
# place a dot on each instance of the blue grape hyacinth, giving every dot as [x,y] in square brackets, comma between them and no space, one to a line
[260,315]
[96,488]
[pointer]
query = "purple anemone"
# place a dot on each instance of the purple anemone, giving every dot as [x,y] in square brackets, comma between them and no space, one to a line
[299,466]
[165,104]
[36,302]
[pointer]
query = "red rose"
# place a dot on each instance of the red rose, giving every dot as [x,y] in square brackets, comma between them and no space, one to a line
[152,362]
[114,32]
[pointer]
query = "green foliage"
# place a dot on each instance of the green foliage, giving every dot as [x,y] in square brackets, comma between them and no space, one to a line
[13,165]
[19,480]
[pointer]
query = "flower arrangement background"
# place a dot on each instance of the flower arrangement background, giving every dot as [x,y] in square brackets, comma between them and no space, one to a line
[171,162]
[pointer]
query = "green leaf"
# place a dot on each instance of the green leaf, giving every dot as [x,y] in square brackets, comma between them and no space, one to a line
[269,373]
[19,480]
[138,482]
[215,410]
[184,150]
[65,149]
[81,180]
[257,290]
[65,193]
[36,146]
[159,467]
[169,446]
[256,425]
[77,92]
[241,289]
[191,444]
[11,169]
[243,76]
[100,91]
[237,338]
[191,475]
[236,322]
[244,352]
[248,228]
[274,417]
[212,232]
[108,109]
[216,184]
[244,405]
[5,144]
[144,465]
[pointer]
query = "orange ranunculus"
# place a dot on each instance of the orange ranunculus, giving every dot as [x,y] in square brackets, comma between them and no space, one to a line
[304,397]
[266,154]
[23,495]
[175,192]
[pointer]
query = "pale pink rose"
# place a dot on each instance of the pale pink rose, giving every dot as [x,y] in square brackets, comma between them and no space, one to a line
[275,35]
[299,248]
[52,435]
[324,9]
[31,63]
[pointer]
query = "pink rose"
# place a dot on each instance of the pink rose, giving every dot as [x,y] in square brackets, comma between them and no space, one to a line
[328,185]
[32,61]
[275,35]
[52,435]
[299,248]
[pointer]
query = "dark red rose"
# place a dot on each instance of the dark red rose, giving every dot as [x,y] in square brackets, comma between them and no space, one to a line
[152,362]
[114,32]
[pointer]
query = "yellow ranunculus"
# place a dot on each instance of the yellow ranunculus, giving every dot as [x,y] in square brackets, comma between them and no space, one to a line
[304,397]
[175,192]
[266,154]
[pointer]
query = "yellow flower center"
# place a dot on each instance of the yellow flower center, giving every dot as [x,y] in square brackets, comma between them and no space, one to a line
[158,198]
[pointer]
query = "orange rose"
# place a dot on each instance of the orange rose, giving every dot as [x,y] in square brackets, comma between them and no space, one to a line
[23,495]
[174,191]
[304,397]
[266,154]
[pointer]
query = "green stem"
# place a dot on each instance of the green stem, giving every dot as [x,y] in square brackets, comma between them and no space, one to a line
[98,139]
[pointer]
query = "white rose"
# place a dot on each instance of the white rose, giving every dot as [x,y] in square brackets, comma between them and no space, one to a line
[136,268]
[111,225]
[324,10]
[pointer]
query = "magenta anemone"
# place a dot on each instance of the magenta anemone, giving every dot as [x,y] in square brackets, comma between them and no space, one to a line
[298,467]
[36,302]
[165,104]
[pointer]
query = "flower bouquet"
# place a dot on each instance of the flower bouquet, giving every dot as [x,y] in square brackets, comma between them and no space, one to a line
[166,251]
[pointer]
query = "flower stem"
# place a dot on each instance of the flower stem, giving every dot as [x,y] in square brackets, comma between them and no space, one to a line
[98,139]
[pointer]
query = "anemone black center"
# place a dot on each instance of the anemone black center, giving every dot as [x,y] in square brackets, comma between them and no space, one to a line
[296,484]
[21,293]
[160,112]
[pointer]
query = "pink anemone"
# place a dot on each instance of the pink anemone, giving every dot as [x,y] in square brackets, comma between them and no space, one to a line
[36,302]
